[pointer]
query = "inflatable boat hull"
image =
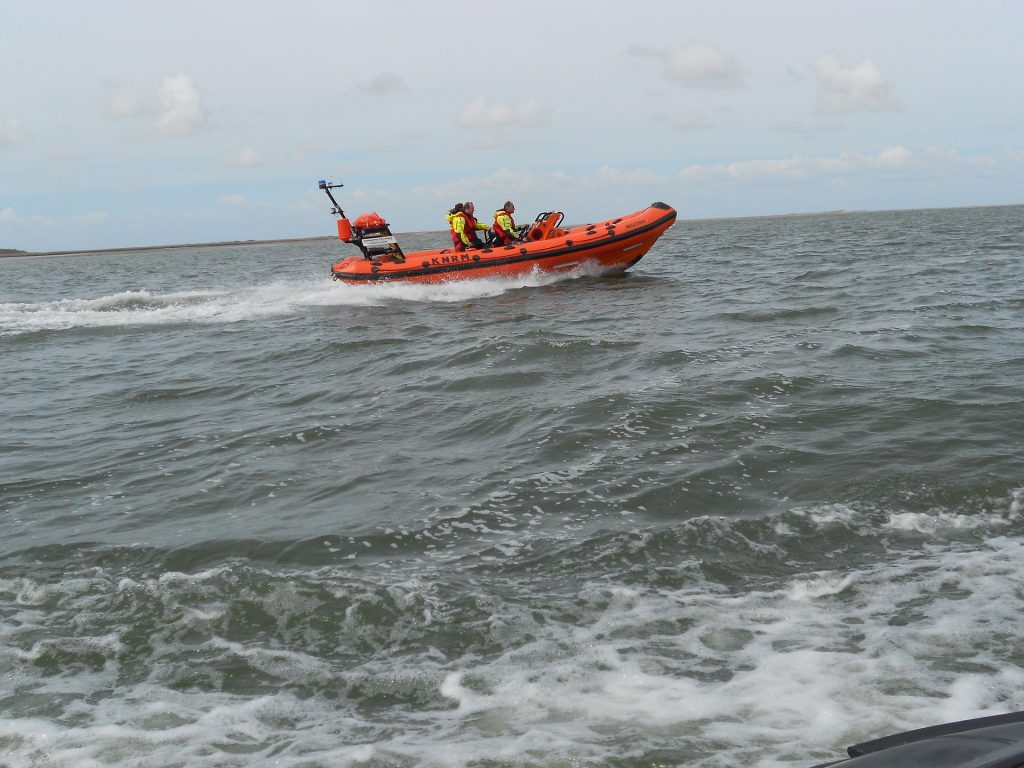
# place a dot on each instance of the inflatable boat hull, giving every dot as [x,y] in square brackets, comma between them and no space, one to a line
[608,247]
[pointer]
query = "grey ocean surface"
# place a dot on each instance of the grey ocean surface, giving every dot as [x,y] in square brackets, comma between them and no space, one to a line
[758,499]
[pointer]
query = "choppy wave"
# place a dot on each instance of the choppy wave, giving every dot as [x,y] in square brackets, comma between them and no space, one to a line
[756,500]
[116,657]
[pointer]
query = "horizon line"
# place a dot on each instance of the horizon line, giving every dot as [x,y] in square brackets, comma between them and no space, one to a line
[15,253]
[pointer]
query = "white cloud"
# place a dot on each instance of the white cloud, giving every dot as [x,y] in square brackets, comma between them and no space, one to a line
[246,157]
[11,133]
[844,91]
[894,157]
[234,199]
[7,214]
[382,84]
[481,113]
[181,108]
[696,65]
[506,184]
[955,158]
[641,177]
[799,167]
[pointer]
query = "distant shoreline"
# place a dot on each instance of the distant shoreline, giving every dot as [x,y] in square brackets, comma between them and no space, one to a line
[13,253]
[143,248]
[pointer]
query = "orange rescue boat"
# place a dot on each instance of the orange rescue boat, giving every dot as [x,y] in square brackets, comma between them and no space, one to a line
[609,247]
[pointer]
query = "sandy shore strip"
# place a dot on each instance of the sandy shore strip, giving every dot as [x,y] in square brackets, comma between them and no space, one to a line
[12,253]
[144,248]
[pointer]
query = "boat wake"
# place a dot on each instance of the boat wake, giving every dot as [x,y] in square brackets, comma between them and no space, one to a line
[275,299]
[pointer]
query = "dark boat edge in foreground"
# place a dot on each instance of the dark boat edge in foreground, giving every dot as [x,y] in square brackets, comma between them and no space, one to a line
[996,741]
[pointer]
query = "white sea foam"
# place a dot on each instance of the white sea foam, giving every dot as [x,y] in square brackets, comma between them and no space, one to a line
[931,523]
[780,677]
[1017,502]
[806,671]
[140,308]
[803,673]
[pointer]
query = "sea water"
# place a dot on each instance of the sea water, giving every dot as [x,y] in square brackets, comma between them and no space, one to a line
[756,500]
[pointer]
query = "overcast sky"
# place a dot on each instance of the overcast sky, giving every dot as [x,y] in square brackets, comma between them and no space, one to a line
[127,122]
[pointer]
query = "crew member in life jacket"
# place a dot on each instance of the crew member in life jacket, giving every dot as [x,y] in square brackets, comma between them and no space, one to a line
[464,227]
[504,225]
[455,211]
